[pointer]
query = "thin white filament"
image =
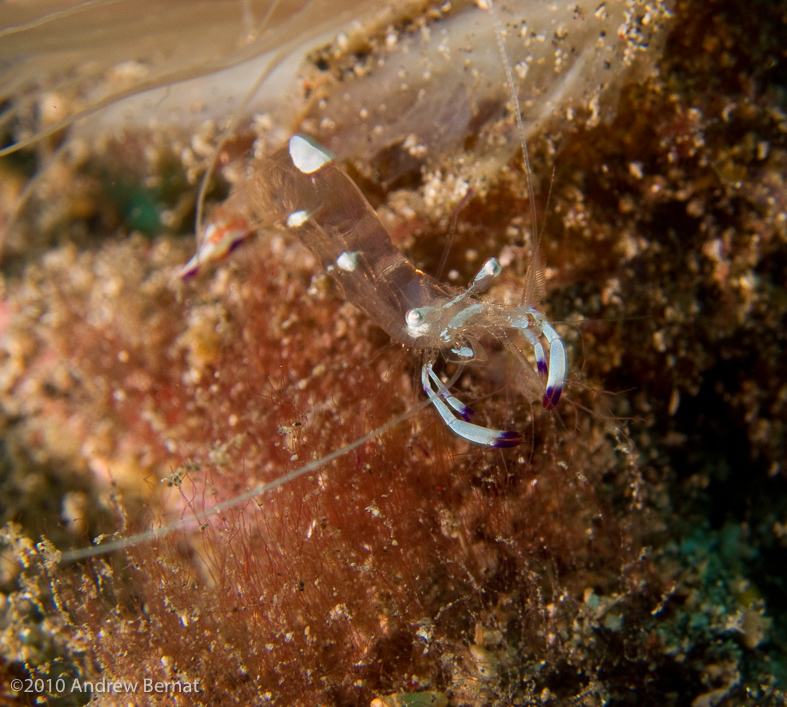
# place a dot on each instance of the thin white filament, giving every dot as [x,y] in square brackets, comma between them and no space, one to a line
[260,489]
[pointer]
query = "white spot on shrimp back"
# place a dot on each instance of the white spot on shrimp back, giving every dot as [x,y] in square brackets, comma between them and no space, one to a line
[348,261]
[297,218]
[463,351]
[307,155]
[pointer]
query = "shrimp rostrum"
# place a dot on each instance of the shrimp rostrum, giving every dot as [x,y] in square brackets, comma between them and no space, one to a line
[302,188]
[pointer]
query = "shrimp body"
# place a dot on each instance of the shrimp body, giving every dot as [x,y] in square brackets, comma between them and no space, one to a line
[302,188]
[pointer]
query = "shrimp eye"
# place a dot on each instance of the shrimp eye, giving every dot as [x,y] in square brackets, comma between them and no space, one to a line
[414,318]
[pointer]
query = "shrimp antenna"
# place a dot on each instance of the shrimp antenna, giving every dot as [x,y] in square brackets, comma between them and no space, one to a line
[452,231]
[260,489]
[534,277]
[23,197]
[261,78]
[54,16]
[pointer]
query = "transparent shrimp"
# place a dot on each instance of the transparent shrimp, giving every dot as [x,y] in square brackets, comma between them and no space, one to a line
[317,200]
[302,188]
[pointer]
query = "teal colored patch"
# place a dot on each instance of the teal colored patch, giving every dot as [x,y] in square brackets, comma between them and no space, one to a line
[142,211]
[139,207]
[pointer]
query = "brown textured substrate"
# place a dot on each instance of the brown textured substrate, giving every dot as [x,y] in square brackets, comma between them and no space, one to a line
[631,552]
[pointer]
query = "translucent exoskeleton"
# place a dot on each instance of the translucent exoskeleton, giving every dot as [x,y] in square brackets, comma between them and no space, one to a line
[302,188]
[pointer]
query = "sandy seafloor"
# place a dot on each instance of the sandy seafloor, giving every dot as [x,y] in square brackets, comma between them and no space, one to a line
[632,551]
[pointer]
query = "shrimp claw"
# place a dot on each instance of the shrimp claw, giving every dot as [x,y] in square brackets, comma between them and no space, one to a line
[451,326]
[557,366]
[467,430]
[533,325]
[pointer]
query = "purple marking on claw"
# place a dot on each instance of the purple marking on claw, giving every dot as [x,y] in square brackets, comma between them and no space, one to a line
[467,413]
[552,396]
[508,439]
[542,367]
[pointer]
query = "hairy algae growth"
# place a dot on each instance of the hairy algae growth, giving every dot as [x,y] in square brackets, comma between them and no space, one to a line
[629,552]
